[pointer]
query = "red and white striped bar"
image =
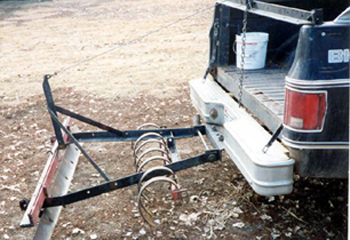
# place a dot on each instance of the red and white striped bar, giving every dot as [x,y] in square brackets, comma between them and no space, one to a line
[31,215]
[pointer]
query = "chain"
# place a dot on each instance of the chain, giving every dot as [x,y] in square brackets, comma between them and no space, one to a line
[244,31]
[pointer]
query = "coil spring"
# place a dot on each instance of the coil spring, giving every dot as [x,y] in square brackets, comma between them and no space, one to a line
[149,149]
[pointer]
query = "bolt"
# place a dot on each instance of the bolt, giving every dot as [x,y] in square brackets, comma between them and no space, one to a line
[211,158]
[213,113]
[221,138]
[214,128]
[53,139]
[112,185]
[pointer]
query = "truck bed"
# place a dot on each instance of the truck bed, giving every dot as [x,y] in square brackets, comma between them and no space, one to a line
[263,92]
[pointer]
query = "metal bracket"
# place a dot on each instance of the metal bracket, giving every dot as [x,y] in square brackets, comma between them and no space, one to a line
[180,194]
[273,138]
[316,16]
[214,48]
[278,12]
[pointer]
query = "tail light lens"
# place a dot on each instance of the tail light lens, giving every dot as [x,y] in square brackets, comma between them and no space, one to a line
[305,110]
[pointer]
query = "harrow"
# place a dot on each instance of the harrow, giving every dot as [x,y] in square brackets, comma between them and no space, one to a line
[156,161]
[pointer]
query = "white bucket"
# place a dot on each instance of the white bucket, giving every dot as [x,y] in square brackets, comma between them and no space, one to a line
[255,50]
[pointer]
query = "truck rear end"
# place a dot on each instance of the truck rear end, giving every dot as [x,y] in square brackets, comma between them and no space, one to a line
[300,97]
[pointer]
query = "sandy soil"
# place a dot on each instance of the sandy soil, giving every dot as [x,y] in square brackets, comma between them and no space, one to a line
[61,33]
[145,81]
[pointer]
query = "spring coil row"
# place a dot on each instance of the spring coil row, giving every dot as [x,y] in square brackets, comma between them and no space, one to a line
[149,149]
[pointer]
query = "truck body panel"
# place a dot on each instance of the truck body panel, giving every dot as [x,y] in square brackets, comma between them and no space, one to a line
[305,83]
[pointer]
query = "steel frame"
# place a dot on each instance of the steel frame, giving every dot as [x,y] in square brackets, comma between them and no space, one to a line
[279,12]
[65,138]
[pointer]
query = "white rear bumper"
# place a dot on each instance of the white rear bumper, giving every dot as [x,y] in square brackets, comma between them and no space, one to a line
[243,139]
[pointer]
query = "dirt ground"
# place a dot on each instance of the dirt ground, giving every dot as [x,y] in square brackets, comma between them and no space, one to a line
[146,81]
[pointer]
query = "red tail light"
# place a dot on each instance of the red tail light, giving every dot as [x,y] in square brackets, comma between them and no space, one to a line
[305,110]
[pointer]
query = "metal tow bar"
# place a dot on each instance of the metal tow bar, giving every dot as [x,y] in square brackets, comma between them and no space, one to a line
[208,156]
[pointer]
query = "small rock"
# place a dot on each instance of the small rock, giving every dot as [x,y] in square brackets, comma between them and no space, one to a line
[157,221]
[188,219]
[275,235]
[271,199]
[142,231]
[219,227]
[180,235]
[134,210]
[65,224]
[288,234]
[101,150]
[177,102]
[237,210]
[6,236]
[77,231]
[194,199]
[211,222]
[93,236]
[238,225]
[266,217]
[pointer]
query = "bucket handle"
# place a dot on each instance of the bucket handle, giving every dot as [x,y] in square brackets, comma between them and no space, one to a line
[235,51]
[233,47]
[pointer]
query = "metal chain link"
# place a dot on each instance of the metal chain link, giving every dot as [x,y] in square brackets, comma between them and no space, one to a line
[244,31]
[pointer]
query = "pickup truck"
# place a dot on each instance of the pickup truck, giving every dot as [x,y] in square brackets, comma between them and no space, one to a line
[300,98]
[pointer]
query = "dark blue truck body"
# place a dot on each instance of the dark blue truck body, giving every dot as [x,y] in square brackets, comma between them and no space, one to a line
[306,74]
